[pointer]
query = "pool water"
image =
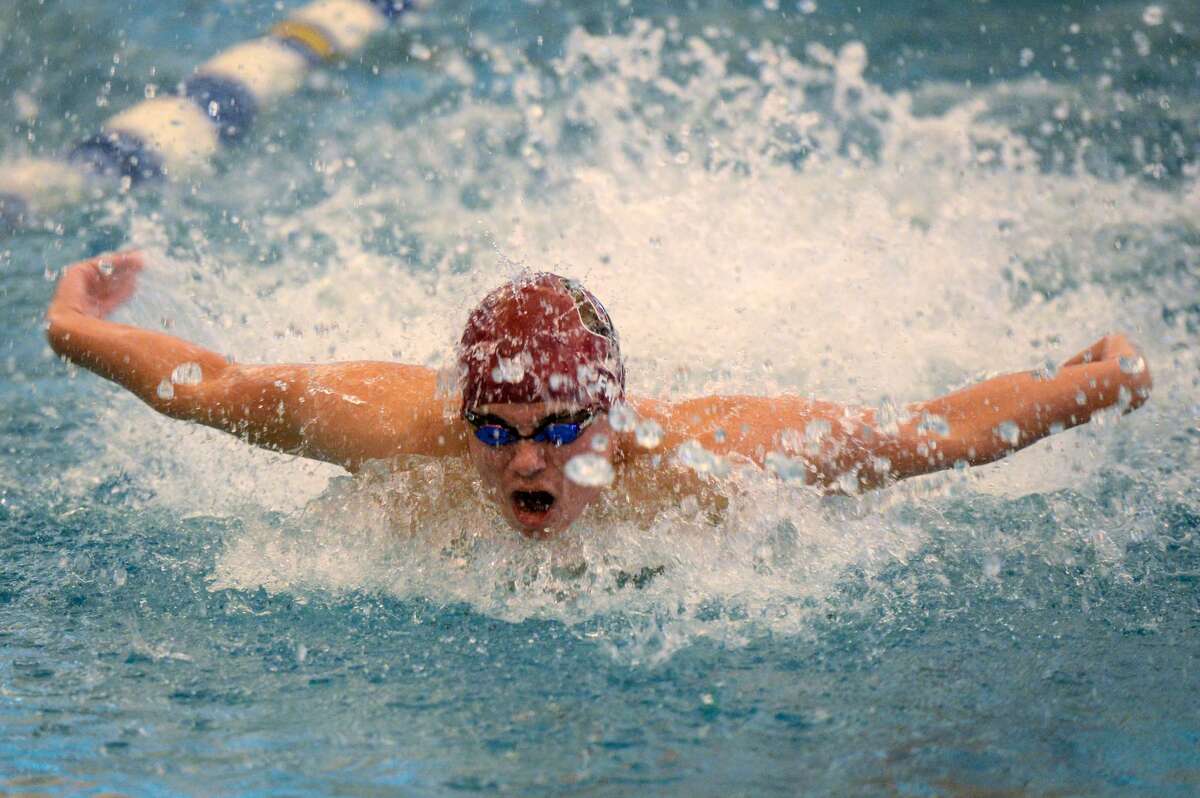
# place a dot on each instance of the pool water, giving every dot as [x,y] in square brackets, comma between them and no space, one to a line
[860,204]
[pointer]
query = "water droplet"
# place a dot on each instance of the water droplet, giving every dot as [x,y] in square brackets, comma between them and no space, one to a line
[1046,371]
[187,374]
[1124,397]
[1132,365]
[509,369]
[889,416]
[622,418]
[590,470]
[649,434]
[1141,43]
[933,424]
[814,433]
[104,266]
[1056,428]
[1009,432]
[1152,15]
[165,390]
[991,566]
[789,469]
[1080,398]
[599,442]
[119,575]
[701,460]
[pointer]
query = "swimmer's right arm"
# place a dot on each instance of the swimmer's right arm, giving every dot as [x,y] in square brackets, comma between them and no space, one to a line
[343,413]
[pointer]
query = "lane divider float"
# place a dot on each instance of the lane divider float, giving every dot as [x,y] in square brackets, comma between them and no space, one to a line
[173,136]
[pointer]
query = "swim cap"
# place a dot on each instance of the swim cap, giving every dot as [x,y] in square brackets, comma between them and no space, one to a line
[540,338]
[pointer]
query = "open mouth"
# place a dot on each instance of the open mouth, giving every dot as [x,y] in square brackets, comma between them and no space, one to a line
[533,502]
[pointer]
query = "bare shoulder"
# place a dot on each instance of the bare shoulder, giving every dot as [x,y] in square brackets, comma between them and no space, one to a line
[352,412]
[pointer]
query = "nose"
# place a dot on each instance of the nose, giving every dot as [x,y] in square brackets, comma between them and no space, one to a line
[528,460]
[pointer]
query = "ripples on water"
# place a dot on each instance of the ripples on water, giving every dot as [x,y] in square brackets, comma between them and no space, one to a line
[763,207]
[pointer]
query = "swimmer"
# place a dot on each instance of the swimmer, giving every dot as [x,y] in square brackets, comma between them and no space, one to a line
[543,382]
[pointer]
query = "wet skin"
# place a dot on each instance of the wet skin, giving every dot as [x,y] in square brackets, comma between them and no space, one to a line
[518,477]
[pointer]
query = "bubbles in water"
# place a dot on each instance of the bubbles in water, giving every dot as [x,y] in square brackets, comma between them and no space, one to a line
[649,433]
[622,418]
[187,374]
[1152,15]
[1132,365]
[165,390]
[1009,432]
[591,470]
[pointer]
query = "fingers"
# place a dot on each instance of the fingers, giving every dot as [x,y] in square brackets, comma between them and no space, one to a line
[1089,355]
[116,264]
[1109,347]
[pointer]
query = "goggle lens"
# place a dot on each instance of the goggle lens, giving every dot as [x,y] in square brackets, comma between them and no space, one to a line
[559,433]
[495,435]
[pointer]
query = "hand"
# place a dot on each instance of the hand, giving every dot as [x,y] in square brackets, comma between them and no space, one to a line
[1134,372]
[98,286]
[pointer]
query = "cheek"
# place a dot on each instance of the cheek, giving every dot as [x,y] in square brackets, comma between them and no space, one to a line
[487,462]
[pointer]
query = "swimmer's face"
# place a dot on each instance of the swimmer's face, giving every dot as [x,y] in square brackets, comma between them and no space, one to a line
[527,479]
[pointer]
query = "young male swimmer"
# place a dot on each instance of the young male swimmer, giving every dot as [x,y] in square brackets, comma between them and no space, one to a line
[543,383]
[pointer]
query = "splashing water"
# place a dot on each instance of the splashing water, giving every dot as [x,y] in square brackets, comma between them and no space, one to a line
[759,218]
[814,211]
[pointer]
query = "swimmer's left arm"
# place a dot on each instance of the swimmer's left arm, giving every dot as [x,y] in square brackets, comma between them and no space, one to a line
[848,448]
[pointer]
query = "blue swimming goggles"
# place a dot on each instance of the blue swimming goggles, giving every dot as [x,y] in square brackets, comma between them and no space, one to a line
[558,428]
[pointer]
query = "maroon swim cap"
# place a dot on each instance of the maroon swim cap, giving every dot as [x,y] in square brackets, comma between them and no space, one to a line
[540,338]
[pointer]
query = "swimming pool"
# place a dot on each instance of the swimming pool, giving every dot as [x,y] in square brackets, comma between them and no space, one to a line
[806,197]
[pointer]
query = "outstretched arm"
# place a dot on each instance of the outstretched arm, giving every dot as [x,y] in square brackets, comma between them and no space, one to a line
[985,422]
[847,448]
[345,413]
